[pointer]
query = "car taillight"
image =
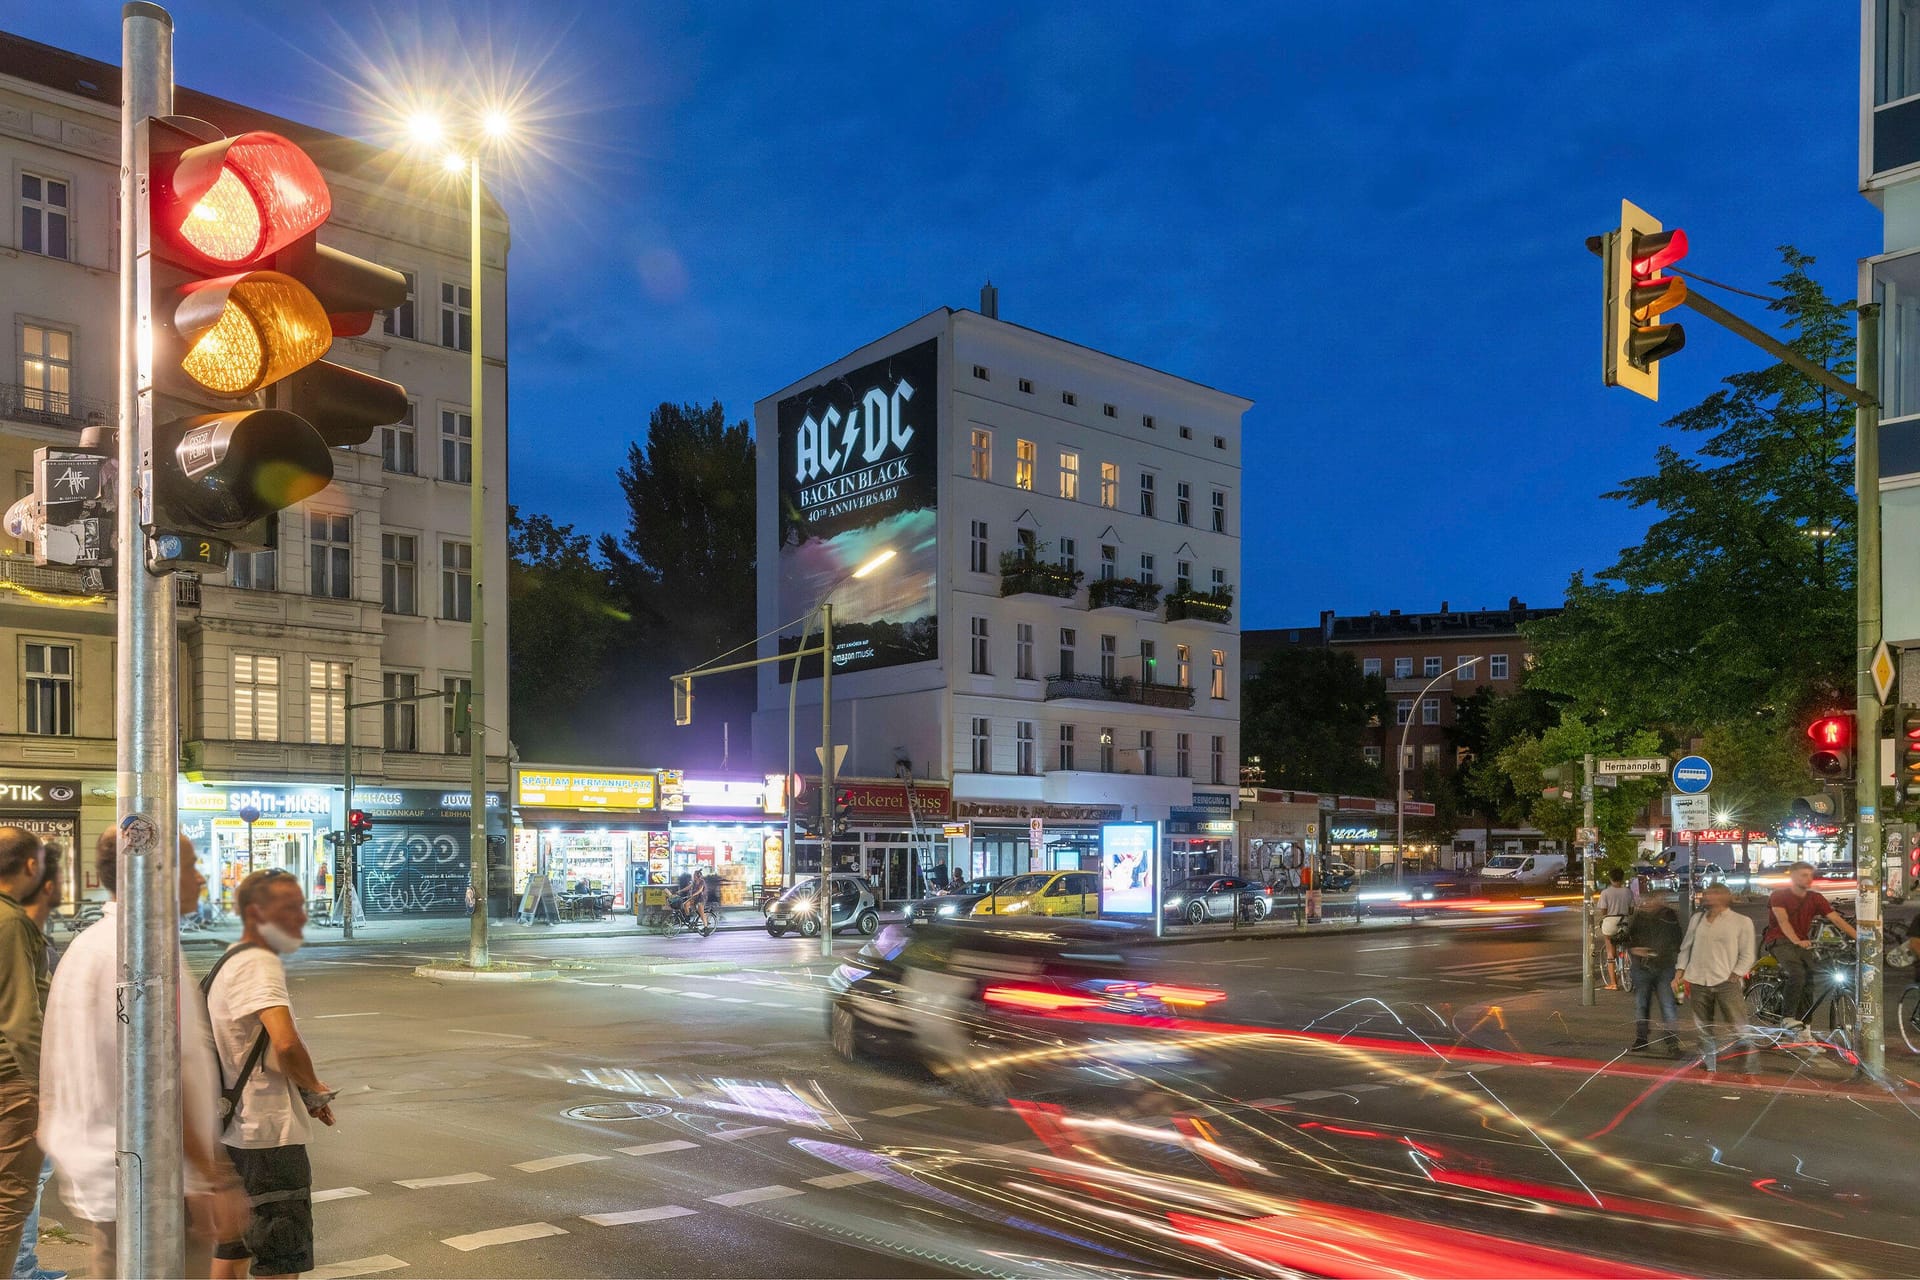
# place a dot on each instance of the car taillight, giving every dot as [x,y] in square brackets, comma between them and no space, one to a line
[1181,997]
[1037,999]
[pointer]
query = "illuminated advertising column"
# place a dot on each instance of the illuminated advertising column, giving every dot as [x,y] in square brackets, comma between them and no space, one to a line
[1130,870]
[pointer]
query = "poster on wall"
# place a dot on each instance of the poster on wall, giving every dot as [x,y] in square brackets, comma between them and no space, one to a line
[1127,868]
[859,479]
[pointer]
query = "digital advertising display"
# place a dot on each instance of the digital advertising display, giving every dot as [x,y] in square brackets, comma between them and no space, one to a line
[1128,866]
[859,486]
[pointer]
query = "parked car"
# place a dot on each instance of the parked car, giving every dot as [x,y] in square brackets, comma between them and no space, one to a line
[1337,877]
[1523,868]
[1206,898]
[851,900]
[958,902]
[1043,893]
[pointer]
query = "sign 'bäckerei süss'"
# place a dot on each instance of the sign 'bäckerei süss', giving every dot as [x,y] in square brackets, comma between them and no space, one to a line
[859,477]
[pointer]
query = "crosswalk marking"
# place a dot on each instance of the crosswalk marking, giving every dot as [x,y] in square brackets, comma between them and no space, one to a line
[557,1162]
[337,1193]
[729,1135]
[753,1195]
[503,1235]
[657,1148]
[356,1267]
[910,1109]
[852,1177]
[450,1180]
[654,1214]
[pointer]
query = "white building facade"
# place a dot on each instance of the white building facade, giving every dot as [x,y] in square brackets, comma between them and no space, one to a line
[1077,579]
[365,594]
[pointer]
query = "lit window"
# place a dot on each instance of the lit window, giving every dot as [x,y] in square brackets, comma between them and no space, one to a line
[1218,688]
[46,370]
[1023,456]
[1109,484]
[326,702]
[982,454]
[1070,476]
[256,697]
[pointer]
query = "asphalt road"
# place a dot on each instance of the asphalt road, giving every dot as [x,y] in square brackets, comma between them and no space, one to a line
[1358,1095]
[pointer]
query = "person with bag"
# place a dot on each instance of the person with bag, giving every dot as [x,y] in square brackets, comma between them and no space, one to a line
[1616,904]
[1651,936]
[269,1087]
[1715,957]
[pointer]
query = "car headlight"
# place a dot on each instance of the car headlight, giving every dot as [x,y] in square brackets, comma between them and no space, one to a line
[803,908]
[1175,901]
[948,909]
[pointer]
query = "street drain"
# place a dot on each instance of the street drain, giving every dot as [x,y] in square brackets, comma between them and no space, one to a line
[618,1111]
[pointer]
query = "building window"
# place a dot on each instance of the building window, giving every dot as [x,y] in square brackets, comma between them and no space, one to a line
[1026,385]
[1371,754]
[1469,668]
[1218,686]
[46,370]
[1219,511]
[1066,748]
[1067,397]
[456,581]
[1070,476]
[1183,755]
[400,721]
[1219,442]
[1146,751]
[979,650]
[399,452]
[49,686]
[1023,651]
[977,547]
[1497,666]
[1110,410]
[1429,711]
[1403,668]
[1029,543]
[330,555]
[258,570]
[399,564]
[1109,484]
[1183,502]
[1369,666]
[326,702]
[1182,576]
[456,317]
[1218,581]
[1430,667]
[982,454]
[1403,711]
[1429,754]
[1146,420]
[256,697]
[456,446]
[1109,562]
[1023,761]
[980,372]
[453,712]
[1069,555]
[399,321]
[1109,657]
[44,211]
[982,745]
[1146,493]
[1023,454]
[1899,70]
[1067,642]
[1106,750]
[1183,666]
[1219,759]
[1146,568]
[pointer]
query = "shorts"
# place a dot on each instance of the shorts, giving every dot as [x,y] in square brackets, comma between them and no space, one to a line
[279,1185]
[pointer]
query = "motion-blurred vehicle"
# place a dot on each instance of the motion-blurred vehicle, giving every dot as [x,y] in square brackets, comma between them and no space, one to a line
[1043,893]
[988,1004]
[851,901]
[1338,877]
[1523,868]
[959,902]
[1207,898]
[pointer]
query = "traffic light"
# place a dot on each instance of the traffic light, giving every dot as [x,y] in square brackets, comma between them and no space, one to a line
[244,304]
[1831,757]
[359,827]
[1559,781]
[1638,291]
[683,699]
[842,812]
[1820,806]
[1906,754]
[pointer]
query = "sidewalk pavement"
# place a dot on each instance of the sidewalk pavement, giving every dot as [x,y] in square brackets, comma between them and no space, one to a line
[427,930]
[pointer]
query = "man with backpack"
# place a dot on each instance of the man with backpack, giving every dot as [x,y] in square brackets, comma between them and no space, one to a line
[269,1080]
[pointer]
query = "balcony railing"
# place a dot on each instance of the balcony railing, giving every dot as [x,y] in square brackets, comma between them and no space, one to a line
[1119,689]
[1023,574]
[1123,593]
[51,408]
[51,580]
[1200,606]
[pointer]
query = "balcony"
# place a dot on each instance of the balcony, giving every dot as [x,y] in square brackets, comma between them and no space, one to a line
[1214,607]
[1124,593]
[52,408]
[60,584]
[1025,574]
[1118,689]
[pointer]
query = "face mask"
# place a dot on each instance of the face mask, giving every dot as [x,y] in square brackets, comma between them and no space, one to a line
[282,942]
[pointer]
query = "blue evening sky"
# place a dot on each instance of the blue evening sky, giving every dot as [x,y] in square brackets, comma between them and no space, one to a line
[1367,218]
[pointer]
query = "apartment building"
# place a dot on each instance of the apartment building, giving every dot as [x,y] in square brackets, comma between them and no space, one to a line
[364,591]
[1052,634]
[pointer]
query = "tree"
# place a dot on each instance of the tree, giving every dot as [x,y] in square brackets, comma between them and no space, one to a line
[562,624]
[1305,718]
[1486,723]
[1525,761]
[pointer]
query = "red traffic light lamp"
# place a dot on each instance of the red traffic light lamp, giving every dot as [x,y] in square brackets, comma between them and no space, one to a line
[359,826]
[1831,759]
[1906,756]
[226,203]
[1637,292]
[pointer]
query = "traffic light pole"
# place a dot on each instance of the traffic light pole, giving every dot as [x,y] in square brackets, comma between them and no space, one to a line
[349,856]
[152,1227]
[1587,851]
[823,903]
[478,956]
[1869,849]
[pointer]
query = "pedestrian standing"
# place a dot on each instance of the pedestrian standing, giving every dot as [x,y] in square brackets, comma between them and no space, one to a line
[81,1085]
[40,907]
[23,1001]
[1715,956]
[1616,904]
[1652,936]
[267,1132]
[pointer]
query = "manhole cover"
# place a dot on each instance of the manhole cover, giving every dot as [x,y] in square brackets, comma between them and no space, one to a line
[618,1111]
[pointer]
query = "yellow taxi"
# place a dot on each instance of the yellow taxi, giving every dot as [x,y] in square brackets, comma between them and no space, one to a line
[1044,893]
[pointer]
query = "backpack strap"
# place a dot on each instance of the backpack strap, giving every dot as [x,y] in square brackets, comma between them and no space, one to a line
[230,1094]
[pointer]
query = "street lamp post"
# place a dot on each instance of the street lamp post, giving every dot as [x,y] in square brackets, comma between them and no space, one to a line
[1400,777]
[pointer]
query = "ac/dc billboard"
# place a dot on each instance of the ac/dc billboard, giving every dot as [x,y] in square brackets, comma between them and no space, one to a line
[859,478]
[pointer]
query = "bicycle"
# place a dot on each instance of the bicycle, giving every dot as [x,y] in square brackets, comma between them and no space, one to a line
[675,918]
[1909,1017]
[1832,985]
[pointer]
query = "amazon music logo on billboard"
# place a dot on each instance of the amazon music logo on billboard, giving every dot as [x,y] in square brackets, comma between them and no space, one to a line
[859,478]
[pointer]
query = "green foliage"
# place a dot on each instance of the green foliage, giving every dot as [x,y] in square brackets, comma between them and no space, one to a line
[1616,810]
[562,623]
[1485,724]
[1305,717]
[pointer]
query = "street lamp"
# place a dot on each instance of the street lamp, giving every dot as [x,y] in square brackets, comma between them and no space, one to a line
[1400,777]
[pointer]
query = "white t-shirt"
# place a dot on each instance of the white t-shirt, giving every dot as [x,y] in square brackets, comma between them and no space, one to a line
[270,1113]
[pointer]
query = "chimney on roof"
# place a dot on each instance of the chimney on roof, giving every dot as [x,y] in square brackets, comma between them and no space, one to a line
[1444,608]
[1513,602]
[989,301]
[1393,613]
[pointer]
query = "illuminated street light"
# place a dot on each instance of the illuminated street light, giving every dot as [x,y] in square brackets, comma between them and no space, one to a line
[496,124]
[426,129]
[453,162]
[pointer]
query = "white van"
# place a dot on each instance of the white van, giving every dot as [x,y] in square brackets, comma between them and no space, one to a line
[1523,868]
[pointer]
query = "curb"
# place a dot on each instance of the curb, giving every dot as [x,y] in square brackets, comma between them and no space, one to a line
[449,973]
[1292,932]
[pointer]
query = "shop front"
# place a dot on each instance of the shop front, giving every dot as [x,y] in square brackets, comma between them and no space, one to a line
[600,828]
[418,859]
[1009,838]
[895,834]
[241,827]
[1200,838]
[50,808]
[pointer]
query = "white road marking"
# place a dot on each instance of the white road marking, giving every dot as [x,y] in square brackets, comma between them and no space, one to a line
[728,1135]
[734,1000]
[910,1109]
[557,1162]
[1314,1095]
[1361,1088]
[450,1180]
[504,1035]
[503,1235]
[371,1013]
[338,1193]
[754,1195]
[696,995]
[772,1004]
[656,1148]
[852,1177]
[356,1267]
[654,1214]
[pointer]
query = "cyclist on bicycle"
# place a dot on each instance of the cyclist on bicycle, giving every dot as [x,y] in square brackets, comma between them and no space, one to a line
[697,892]
[1616,904]
[680,900]
[1791,914]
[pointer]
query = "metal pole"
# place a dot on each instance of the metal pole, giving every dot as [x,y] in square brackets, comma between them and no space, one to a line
[477,955]
[151,1224]
[1586,884]
[793,703]
[1400,774]
[346,831]
[825,901]
[1869,851]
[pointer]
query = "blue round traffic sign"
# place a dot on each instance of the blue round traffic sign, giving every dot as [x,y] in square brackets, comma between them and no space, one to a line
[1692,775]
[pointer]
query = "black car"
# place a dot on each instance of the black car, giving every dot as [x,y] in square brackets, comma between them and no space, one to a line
[955,904]
[1206,898]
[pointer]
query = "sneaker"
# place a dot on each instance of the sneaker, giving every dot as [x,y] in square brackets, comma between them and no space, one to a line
[1638,1046]
[41,1273]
